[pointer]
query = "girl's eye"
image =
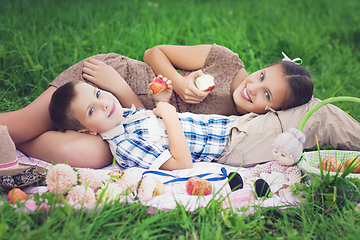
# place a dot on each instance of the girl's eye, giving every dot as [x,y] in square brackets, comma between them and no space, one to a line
[283,155]
[275,151]
[91,111]
[98,94]
[267,95]
[262,76]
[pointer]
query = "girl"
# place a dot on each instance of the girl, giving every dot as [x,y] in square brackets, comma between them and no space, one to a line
[280,86]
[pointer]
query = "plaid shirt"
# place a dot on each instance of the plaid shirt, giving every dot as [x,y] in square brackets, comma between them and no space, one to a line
[141,139]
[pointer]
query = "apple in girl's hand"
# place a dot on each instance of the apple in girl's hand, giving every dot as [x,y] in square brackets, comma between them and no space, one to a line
[157,85]
[198,186]
[356,163]
[205,83]
[332,163]
[16,194]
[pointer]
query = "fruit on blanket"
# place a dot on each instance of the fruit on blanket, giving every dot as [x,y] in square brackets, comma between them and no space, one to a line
[159,188]
[205,83]
[332,163]
[15,195]
[198,186]
[356,163]
[117,173]
[157,85]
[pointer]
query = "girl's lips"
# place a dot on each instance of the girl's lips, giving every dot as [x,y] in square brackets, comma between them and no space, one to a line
[112,110]
[245,94]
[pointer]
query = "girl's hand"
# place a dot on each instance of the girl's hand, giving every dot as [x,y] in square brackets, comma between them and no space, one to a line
[164,95]
[101,74]
[164,109]
[187,90]
[106,77]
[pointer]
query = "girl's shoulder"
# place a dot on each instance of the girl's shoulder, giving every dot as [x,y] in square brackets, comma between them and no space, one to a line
[218,52]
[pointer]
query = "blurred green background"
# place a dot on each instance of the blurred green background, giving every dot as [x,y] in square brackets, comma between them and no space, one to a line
[41,38]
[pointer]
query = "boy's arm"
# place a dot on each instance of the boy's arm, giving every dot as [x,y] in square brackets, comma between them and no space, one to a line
[108,79]
[179,148]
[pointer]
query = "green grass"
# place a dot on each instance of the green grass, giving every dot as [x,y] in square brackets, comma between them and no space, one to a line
[40,39]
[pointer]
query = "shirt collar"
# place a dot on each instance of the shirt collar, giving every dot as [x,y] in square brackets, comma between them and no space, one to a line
[129,117]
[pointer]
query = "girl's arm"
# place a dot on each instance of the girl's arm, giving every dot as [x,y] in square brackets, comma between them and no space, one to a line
[165,59]
[108,79]
[179,148]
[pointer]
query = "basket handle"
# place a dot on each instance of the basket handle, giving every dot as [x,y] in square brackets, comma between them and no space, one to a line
[326,101]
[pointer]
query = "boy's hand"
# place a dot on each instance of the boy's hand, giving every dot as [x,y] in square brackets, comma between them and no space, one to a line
[104,76]
[164,109]
[164,95]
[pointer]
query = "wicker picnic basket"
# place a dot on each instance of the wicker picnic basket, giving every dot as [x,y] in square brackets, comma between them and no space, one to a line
[310,161]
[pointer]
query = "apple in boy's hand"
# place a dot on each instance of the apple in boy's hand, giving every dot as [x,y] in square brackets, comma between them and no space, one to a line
[332,163]
[157,85]
[356,163]
[16,194]
[198,186]
[205,83]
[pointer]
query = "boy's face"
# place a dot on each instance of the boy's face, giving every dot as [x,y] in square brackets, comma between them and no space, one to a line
[96,109]
[266,87]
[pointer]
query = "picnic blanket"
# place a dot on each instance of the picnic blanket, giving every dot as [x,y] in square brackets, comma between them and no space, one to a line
[175,192]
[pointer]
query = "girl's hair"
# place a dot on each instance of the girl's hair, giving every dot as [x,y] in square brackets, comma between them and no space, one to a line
[292,140]
[300,83]
[60,108]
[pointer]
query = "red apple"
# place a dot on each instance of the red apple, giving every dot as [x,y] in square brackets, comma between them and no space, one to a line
[198,186]
[157,85]
[205,83]
[16,194]
[332,163]
[356,163]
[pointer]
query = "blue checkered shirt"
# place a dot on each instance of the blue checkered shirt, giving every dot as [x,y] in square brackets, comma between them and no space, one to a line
[141,139]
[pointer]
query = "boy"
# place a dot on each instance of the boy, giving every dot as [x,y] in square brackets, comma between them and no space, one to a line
[161,138]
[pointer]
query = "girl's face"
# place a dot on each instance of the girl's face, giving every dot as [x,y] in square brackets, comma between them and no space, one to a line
[98,110]
[266,87]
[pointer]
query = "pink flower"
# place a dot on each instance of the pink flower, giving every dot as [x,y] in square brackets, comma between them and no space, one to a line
[80,194]
[60,178]
[149,187]
[31,206]
[93,177]
[129,181]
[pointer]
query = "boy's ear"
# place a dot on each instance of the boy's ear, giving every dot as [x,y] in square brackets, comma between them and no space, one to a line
[87,131]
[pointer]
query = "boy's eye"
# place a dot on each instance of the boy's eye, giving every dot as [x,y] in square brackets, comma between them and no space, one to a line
[91,111]
[267,95]
[98,94]
[262,76]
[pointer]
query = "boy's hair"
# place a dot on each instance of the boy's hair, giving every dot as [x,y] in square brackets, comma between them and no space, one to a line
[60,108]
[300,83]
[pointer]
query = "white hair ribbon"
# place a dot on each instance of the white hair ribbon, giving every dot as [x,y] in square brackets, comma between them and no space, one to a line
[297,61]
[270,109]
